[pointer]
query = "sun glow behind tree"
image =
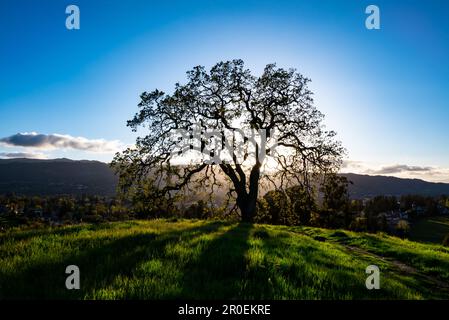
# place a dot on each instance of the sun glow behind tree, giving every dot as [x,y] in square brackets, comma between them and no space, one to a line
[208,111]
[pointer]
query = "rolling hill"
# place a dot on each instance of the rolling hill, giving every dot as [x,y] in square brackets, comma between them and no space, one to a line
[55,177]
[365,186]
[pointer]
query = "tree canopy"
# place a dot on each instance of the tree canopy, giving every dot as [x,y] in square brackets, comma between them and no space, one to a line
[228,123]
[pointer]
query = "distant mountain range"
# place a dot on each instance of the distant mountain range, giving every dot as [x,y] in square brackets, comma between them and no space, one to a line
[64,176]
[365,186]
[56,177]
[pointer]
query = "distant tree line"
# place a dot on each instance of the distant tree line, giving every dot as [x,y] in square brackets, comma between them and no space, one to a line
[330,207]
[21,210]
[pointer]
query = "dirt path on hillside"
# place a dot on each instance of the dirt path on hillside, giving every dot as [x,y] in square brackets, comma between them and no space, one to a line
[401,266]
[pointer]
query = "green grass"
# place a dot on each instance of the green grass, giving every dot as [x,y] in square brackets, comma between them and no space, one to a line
[432,229]
[187,259]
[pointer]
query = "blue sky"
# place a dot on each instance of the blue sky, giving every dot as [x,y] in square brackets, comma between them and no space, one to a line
[384,91]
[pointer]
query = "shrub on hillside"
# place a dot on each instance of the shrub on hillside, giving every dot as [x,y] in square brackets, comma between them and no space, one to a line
[359,224]
[402,228]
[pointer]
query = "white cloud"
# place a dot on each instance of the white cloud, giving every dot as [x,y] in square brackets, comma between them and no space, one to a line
[428,173]
[60,141]
[398,168]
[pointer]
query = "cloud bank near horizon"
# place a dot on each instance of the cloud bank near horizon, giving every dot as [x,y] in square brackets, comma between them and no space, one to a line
[27,155]
[60,141]
[429,173]
[402,168]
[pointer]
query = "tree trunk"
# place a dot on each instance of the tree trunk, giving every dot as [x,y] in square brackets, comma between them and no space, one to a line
[247,201]
[247,206]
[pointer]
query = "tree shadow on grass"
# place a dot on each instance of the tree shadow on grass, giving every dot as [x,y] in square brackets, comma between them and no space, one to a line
[220,270]
[99,263]
[320,275]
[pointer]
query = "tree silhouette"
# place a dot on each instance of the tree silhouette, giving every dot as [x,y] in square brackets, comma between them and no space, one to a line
[229,128]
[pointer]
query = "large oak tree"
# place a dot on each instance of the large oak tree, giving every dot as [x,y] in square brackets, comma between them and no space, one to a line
[291,147]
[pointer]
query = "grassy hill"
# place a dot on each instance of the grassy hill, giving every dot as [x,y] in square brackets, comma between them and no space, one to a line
[212,259]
